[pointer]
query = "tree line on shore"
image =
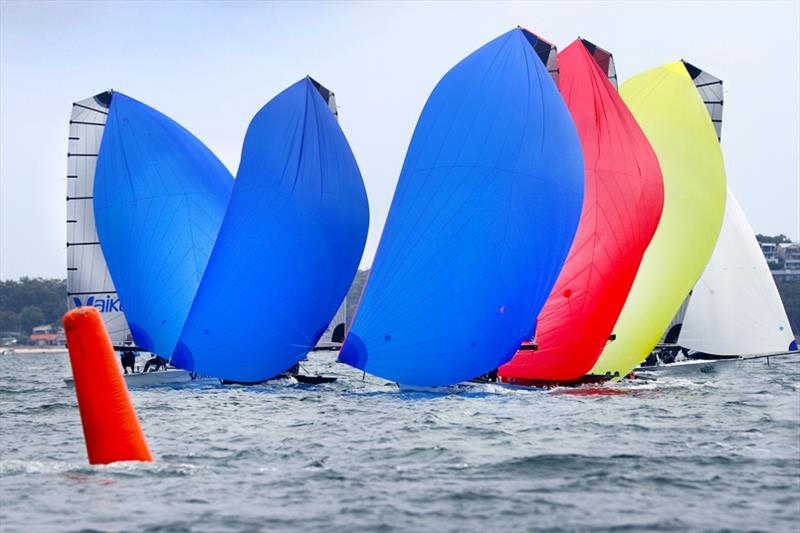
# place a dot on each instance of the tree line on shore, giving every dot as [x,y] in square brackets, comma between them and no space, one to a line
[30,302]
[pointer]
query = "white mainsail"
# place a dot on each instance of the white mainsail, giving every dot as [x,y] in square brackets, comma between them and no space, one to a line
[88,280]
[735,308]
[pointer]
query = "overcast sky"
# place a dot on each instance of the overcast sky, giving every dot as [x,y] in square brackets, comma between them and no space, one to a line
[211,66]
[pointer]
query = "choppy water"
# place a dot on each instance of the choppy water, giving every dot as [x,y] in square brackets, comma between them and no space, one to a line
[359,455]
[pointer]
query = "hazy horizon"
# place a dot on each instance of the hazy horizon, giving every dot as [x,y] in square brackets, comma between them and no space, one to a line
[211,66]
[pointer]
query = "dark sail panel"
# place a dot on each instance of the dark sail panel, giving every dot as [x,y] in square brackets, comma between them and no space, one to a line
[604,59]
[710,89]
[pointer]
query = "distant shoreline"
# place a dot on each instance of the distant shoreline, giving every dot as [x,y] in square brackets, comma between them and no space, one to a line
[48,350]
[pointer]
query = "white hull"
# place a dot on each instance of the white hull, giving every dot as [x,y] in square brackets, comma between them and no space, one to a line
[172,376]
[705,367]
[697,367]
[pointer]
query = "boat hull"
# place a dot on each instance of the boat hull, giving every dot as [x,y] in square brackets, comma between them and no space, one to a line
[689,368]
[172,376]
[707,367]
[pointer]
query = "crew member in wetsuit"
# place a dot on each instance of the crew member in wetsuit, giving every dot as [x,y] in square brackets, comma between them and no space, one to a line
[156,362]
[128,358]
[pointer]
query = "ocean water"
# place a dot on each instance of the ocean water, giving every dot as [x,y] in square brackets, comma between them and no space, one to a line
[720,453]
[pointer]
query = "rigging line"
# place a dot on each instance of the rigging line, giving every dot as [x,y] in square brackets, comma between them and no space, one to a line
[90,108]
[84,123]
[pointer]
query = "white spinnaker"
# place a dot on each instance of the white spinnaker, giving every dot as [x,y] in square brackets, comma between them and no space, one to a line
[735,308]
[88,279]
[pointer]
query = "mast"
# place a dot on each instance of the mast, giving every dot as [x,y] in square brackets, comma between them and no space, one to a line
[88,279]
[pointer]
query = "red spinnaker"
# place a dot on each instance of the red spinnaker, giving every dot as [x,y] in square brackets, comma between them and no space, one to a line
[622,206]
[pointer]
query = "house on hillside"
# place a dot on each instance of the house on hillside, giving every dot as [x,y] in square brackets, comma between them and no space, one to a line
[790,253]
[770,251]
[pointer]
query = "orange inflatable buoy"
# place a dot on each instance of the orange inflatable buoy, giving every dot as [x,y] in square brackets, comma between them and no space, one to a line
[110,425]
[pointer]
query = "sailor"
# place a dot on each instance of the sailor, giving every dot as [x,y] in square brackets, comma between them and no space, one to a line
[157,362]
[128,358]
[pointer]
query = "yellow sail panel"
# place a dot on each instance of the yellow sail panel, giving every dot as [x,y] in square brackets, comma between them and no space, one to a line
[672,114]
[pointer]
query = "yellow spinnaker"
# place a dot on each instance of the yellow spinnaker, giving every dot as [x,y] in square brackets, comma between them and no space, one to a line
[672,114]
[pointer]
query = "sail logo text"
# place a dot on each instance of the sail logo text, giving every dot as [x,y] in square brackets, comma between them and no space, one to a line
[104,305]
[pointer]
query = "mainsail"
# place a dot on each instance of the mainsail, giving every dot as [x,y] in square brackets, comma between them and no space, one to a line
[621,209]
[88,280]
[288,248]
[735,308]
[672,113]
[483,216]
[159,199]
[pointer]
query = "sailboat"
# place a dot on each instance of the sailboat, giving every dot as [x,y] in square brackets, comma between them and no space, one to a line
[484,213]
[159,198]
[669,103]
[288,247]
[734,311]
[621,209]
[89,280]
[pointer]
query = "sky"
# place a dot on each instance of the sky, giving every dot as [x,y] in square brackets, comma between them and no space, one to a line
[211,66]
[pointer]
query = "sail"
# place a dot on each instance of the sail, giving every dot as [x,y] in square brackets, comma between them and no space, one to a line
[735,308]
[621,209]
[88,280]
[159,199]
[288,248]
[604,60]
[485,210]
[672,113]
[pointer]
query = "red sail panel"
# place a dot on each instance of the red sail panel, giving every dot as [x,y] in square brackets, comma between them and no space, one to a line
[622,206]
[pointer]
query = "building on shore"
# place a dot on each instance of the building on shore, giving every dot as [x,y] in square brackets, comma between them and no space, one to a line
[770,251]
[789,252]
[47,335]
[783,260]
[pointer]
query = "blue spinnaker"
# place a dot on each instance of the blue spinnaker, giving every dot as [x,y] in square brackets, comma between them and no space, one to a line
[485,211]
[159,200]
[288,248]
